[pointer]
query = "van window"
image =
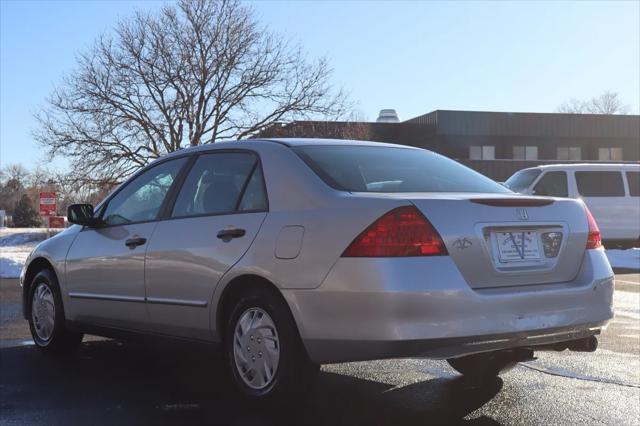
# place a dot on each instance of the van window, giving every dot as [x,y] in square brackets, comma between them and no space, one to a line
[521,180]
[633,179]
[600,184]
[553,184]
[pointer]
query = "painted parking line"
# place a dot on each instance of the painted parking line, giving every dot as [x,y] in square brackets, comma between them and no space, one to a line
[628,282]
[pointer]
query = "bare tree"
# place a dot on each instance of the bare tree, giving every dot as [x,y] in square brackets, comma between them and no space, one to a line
[13,181]
[607,103]
[15,172]
[68,189]
[194,73]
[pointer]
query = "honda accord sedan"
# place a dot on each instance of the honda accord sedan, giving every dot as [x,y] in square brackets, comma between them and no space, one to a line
[292,253]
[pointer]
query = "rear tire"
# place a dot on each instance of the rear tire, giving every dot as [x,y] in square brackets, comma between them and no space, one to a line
[46,316]
[264,354]
[483,366]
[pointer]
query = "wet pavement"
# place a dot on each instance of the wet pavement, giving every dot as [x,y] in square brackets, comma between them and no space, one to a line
[111,382]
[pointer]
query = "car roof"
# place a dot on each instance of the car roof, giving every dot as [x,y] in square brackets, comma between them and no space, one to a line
[290,142]
[321,141]
[588,166]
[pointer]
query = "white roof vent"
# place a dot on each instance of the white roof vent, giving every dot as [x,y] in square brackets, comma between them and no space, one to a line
[388,116]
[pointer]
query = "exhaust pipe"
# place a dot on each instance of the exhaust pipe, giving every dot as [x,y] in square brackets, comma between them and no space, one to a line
[589,344]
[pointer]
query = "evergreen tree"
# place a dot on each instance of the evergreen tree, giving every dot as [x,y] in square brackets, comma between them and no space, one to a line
[25,215]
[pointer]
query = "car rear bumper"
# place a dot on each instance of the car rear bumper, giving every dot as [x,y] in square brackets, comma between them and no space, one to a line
[370,308]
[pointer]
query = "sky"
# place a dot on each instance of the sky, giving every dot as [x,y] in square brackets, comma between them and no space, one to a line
[412,56]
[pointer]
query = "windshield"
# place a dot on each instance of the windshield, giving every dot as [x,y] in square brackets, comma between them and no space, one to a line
[521,180]
[388,169]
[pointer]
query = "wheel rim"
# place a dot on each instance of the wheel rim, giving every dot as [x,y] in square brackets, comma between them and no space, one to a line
[256,348]
[43,311]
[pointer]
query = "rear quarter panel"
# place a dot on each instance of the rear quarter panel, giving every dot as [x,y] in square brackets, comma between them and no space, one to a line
[298,197]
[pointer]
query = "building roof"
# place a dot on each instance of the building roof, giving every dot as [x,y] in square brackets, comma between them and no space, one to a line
[486,123]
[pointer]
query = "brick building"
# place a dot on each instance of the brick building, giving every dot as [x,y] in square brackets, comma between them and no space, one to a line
[494,143]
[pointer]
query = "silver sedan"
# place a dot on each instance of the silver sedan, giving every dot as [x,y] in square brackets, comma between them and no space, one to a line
[293,253]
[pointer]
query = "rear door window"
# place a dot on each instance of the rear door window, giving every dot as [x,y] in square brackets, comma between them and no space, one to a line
[633,179]
[255,194]
[600,184]
[216,183]
[553,184]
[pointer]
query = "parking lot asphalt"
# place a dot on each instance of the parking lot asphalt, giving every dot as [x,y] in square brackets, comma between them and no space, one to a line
[113,382]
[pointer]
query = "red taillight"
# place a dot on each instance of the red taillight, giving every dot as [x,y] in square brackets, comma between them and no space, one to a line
[401,232]
[594,240]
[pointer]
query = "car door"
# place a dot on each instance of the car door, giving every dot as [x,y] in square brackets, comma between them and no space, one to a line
[603,192]
[633,183]
[215,217]
[105,265]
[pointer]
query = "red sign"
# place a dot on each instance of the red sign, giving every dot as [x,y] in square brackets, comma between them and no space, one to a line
[47,203]
[56,221]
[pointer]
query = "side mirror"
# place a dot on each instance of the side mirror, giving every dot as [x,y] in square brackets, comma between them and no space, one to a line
[81,214]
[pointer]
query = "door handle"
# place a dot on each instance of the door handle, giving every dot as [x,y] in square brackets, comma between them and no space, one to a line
[228,234]
[135,242]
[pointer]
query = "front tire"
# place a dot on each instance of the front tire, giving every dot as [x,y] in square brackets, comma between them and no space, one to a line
[264,354]
[46,316]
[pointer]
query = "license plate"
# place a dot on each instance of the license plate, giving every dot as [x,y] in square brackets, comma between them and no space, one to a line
[517,246]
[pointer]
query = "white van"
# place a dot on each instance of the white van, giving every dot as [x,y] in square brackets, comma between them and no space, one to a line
[611,191]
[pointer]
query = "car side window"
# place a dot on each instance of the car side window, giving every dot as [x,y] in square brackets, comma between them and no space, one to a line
[600,184]
[254,197]
[633,179]
[214,184]
[553,184]
[140,200]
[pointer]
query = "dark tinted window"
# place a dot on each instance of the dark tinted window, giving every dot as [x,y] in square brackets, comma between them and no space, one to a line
[387,169]
[553,184]
[214,184]
[600,184]
[522,180]
[633,179]
[140,200]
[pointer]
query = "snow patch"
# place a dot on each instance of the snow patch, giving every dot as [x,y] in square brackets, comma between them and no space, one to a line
[15,246]
[629,258]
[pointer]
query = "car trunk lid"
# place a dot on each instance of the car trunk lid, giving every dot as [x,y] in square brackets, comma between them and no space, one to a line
[509,240]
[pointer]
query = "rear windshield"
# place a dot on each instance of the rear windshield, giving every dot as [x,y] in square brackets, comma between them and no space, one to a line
[521,180]
[389,169]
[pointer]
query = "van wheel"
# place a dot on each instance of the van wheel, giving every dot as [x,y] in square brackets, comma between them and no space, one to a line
[483,366]
[46,316]
[265,357]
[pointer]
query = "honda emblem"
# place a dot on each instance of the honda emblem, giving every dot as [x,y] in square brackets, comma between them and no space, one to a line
[522,214]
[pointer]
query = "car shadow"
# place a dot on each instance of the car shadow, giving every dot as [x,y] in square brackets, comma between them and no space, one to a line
[134,383]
